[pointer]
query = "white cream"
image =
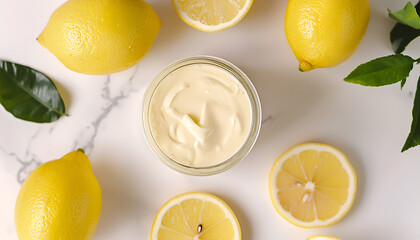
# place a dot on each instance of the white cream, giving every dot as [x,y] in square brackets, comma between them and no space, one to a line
[200,115]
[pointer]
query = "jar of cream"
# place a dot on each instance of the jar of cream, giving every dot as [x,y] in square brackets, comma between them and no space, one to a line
[201,115]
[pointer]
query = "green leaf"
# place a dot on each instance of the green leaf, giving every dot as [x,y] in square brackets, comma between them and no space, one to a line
[403,82]
[382,71]
[408,16]
[401,35]
[413,138]
[28,94]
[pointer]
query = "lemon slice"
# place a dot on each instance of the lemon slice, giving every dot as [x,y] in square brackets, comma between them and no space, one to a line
[312,185]
[322,237]
[195,216]
[212,15]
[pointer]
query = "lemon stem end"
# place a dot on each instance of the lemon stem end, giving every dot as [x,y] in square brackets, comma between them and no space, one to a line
[81,150]
[304,66]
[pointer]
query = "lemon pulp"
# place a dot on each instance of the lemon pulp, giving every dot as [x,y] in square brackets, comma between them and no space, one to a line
[212,15]
[195,216]
[312,185]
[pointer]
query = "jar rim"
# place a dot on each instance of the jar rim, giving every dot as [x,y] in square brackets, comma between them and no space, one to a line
[256,115]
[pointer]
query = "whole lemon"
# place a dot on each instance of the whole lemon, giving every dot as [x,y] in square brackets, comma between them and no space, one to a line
[324,33]
[60,200]
[101,36]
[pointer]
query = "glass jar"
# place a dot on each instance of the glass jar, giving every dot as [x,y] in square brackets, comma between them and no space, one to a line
[255,116]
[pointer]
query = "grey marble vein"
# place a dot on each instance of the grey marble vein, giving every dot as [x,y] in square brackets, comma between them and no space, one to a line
[112,102]
[270,118]
[28,162]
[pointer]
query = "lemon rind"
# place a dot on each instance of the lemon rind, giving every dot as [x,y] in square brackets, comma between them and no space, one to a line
[215,28]
[319,147]
[197,195]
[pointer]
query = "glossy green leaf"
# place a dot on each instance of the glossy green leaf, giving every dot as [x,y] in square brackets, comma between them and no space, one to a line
[28,94]
[408,16]
[413,138]
[401,35]
[403,82]
[382,71]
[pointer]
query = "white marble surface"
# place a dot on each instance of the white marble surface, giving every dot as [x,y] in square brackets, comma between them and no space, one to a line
[369,124]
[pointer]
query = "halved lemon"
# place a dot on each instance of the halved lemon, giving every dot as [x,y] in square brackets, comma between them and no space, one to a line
[195,216]
[212,15]
[312,185]
[322,237]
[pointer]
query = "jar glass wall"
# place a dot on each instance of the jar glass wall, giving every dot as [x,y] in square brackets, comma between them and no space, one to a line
[255,110]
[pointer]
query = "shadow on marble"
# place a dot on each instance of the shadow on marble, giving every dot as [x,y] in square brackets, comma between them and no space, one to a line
[286,96]
[357,162]
[119,204]
[376,231]
[244,223]
[172,26]
[65,95]
[260,9]
[377,34]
